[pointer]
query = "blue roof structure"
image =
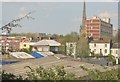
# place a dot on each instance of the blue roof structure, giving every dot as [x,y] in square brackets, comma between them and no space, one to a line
[37,55]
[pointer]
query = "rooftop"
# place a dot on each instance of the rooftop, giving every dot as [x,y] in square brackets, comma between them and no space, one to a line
[100,41]
[70,65]
[47,42]
[116,45]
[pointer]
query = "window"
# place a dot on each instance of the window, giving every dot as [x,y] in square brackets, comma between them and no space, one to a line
[100,51]
[90,50]
[105,45]
[105,50]
[91,27]
[94,50]
[94,45]
[91,34]
[24,45]
[91,21]
[71,45]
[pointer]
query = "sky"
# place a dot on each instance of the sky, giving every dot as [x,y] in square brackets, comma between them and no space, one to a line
[55,17]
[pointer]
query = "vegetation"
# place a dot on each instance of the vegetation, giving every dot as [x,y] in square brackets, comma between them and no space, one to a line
[29,51]
[10,76]
[24,34]
[84,68]
[58,73]
[72,37]
[111,58]
[83,46]
[113,74]
[40,73]
[108,75]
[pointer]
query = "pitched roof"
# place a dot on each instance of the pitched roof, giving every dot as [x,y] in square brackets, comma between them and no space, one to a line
[116,45]
[47,42]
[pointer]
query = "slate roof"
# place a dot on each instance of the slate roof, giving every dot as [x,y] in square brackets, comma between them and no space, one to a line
[116,45]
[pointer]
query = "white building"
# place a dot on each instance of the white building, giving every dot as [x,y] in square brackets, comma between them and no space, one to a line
[115,50]
[46,46]
[71,48]
[100,47]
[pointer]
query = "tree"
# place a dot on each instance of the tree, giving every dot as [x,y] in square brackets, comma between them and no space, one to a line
[72,37]
[7,28]
[112,74]
[10,76]
[83,46]
[56,73]
[40,73]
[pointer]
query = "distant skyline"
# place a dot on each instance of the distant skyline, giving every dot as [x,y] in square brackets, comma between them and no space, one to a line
[56,17]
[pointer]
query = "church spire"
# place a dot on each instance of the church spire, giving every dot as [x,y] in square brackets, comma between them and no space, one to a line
[82,27]
[84,14]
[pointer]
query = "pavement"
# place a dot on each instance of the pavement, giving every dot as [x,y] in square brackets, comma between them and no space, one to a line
[70,65]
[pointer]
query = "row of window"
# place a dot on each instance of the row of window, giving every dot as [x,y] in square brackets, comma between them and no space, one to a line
[105,51]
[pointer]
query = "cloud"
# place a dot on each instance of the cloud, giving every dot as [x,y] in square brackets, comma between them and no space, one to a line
[107,14]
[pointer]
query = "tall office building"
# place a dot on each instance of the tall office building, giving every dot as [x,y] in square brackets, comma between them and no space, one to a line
[96,28]
[99,28]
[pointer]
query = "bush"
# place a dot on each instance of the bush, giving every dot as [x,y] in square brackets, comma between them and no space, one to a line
[40,73]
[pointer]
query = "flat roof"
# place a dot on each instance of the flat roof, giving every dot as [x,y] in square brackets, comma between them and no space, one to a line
[70,65]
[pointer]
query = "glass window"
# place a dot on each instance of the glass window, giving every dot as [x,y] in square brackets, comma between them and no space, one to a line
[105,45]
[24,45]
[105,50]
[71,45]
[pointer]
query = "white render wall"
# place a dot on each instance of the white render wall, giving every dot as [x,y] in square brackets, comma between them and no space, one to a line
[70,49]
[100,46]
[115,51]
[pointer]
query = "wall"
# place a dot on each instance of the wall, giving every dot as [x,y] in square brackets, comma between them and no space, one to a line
[70,48]
[115,51]
[22,45]
[98,47]
[41,48]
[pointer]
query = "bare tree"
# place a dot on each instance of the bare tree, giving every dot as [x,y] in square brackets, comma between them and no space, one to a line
[14,23]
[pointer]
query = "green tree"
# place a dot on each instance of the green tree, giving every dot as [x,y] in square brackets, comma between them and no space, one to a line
[10,76]
[56,73]
[72,37]
[83,46]
[40,73]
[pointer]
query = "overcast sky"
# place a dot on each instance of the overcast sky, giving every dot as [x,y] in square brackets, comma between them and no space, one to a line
[56,17]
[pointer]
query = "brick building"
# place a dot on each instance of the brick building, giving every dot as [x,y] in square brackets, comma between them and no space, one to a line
[98,28]
[12,43]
